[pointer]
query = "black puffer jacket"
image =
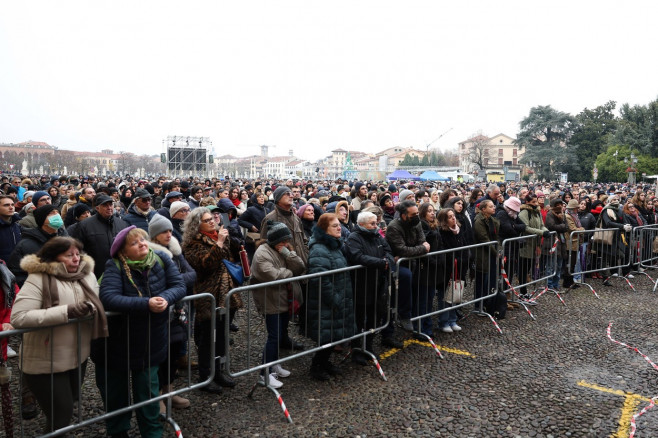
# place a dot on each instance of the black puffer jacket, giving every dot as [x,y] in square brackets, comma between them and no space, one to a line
[31,242]
[97,235]
[371,250]
[254,215]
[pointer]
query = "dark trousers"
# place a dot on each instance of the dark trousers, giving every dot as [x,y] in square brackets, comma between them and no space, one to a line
[277,332]
[203,336]
[144,386]
[56,401]
[167,369]
[405,300]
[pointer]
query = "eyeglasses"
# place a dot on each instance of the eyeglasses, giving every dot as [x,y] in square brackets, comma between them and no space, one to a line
[208,221]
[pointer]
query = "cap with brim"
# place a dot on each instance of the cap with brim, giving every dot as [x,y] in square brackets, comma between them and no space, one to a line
[142,193]
[174,194]
[101,199]
[212,208]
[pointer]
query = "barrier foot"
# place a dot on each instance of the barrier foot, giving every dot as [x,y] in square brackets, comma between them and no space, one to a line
[629,282]
[591,288]
[523,303]
[493,320]
[431,342]
[646,275]
[276,393]
[376,363]
[172,423]
[281,403]
[556,293]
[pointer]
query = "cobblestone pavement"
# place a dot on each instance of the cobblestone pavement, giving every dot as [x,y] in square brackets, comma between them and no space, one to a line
[554,377]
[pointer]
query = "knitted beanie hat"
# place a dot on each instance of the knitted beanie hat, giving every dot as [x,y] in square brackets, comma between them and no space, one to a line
[277,232]
[173,209]
[41,213]
[38,195]
[279,192]
[159,224]
[404,194]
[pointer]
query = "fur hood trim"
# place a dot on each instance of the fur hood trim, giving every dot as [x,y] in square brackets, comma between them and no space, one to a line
[157,247]
[33,265]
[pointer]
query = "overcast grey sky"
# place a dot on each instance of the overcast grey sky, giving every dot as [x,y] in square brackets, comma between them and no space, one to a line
[311,76]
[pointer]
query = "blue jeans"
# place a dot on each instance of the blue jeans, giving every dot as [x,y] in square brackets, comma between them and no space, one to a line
[277,332]
[554,281]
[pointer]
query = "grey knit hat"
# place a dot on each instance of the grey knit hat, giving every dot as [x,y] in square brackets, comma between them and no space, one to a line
[159,224]
[279,192]
[404,194]
[277,232]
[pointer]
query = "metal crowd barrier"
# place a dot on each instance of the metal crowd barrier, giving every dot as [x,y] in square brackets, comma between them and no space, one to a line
[286,303]
[532,261]
[85,403]
[603,253]
[413,306]
[645,251]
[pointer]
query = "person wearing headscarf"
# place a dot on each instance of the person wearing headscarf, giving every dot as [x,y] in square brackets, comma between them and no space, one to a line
[307,214]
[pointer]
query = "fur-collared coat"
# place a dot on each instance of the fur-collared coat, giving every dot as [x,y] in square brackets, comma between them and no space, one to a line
[58,345]
[206,257]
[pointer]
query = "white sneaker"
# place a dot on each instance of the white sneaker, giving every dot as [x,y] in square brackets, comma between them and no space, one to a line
[446,329]
[615,275]
[630,276]
[274,383]
[280,371]
[10,352]
[455,328]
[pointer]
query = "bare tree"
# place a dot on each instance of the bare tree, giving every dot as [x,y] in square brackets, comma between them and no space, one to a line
[478,152]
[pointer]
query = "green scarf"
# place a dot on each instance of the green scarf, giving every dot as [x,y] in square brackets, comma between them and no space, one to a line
[142,265]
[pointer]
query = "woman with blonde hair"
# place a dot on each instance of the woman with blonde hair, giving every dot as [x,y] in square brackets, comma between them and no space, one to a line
[141,284]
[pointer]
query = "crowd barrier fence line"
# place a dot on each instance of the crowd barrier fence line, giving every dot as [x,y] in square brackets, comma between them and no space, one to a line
[77,420]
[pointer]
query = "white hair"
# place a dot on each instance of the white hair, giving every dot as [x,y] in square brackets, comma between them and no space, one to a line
[364,217]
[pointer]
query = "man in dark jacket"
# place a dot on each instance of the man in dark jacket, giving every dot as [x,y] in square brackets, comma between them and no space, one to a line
[366,247]
[406,238]
[140,212]
[34,238]
[10,231]
[555,222]
[283,213]
[97,232]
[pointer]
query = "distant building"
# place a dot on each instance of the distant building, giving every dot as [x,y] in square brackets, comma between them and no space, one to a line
[497,154]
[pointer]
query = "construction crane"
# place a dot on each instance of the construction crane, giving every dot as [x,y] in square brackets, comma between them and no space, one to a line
[427,146]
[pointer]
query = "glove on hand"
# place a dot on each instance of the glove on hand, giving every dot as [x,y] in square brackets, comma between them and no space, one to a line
[628,228]
[79,310]
[547,234]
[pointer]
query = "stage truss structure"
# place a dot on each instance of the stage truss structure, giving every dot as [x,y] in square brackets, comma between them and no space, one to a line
[187,156]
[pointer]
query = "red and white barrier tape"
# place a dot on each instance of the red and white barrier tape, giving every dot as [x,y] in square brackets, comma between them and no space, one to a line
[655,367]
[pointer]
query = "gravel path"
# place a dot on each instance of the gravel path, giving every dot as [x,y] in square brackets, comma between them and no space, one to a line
[558,376]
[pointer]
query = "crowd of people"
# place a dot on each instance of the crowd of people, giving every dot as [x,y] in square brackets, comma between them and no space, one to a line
[80,246]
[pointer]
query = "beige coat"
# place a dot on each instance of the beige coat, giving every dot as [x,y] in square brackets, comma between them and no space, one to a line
[269,265]
[58,345]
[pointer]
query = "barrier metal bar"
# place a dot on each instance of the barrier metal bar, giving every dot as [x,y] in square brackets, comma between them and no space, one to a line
[533,259]
[483,288]
[641,252]
[271,300]
[607,250]
[77,420]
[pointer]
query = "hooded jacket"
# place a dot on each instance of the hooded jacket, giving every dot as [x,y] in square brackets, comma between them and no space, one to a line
[60,344]
[31,242]
[134,217]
